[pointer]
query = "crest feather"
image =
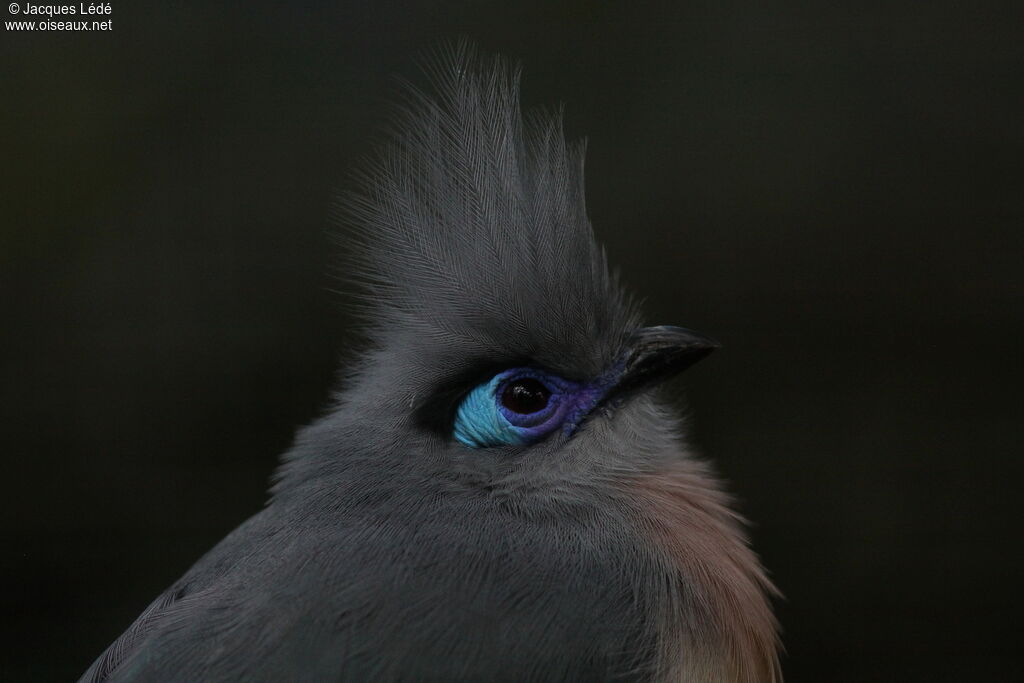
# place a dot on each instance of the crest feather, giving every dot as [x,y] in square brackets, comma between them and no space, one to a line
[471,225]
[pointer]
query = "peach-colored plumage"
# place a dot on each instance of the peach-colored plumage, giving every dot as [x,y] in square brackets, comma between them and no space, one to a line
[713,579]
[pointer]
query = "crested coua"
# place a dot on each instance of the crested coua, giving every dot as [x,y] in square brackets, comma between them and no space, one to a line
[496,492]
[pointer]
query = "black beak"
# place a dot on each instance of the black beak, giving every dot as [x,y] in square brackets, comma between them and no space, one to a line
[656,353]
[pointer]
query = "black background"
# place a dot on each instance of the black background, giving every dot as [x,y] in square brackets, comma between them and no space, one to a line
[834,190]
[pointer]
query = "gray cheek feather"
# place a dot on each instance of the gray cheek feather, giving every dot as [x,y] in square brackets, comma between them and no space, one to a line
[713,620]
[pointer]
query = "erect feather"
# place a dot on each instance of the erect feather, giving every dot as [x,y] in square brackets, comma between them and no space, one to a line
[481,213]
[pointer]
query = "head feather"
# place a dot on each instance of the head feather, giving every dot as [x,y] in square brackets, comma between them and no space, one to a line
[472,232]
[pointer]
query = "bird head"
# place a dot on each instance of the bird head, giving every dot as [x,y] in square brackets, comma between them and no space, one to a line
[500,342]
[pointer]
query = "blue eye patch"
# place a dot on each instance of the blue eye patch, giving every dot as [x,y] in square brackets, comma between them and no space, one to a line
[520,406]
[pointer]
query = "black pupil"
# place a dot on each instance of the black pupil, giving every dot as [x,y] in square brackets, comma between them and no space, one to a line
[525,396]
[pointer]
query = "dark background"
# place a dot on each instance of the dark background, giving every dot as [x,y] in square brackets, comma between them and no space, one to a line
[834,190]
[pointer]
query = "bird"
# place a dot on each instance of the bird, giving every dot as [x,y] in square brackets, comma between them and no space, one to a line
[498,490]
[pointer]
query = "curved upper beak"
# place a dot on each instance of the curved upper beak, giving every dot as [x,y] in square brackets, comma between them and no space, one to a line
[655,354]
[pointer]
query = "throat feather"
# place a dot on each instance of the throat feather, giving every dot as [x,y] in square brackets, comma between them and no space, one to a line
[717,623]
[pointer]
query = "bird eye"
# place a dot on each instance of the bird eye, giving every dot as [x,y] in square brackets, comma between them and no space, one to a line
[525,396]
[515,407]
